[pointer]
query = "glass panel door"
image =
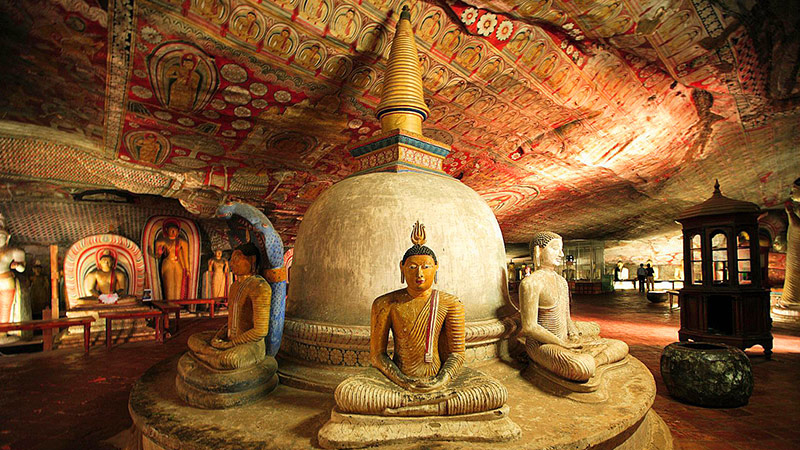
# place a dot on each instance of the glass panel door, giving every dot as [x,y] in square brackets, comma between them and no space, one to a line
[696,259]
[743,258]
[719,258]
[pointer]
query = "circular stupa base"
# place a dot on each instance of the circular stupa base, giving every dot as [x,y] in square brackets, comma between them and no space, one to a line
[786,311]
[291,418]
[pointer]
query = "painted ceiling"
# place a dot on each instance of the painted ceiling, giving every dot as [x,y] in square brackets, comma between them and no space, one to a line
[595,119]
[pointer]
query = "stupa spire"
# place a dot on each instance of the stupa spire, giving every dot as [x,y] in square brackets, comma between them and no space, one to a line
[402,103]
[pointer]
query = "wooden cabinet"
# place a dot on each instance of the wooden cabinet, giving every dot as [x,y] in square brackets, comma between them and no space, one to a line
[724,299]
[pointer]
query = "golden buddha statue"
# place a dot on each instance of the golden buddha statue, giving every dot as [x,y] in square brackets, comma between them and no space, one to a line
[425,377]
[105,282]
[173,252]
[571,350]
[230,367]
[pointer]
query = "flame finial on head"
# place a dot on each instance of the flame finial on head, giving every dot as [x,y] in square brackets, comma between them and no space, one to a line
[418,234]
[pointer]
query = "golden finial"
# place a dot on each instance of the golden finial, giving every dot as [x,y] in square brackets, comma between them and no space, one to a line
[418,234]
[402,103]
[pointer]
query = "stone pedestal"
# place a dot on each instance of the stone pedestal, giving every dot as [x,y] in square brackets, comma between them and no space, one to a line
[204,387]
[291,418]
[358,431]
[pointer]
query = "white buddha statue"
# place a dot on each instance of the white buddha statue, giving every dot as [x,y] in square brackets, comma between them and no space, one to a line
[570,350]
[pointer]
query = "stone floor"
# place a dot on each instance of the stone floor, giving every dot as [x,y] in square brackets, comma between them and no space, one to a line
[68,400]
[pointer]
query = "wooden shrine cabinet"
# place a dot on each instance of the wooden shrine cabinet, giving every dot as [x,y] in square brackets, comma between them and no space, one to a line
[723,299]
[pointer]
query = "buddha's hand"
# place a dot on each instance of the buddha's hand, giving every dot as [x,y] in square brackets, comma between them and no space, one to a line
[573,345]
[221,344]
[429,384]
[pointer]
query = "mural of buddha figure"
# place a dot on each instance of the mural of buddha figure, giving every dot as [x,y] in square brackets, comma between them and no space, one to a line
[173,251]
[183,82]
[231,367]
[426,374]
[570,350]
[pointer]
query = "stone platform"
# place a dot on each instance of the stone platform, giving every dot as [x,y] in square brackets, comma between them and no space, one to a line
[291,418]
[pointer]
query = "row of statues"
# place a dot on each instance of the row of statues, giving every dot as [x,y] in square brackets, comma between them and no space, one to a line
[424,375]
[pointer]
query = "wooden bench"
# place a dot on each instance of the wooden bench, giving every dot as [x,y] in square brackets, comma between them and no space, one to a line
[50,324]
[169,308]
[158,315]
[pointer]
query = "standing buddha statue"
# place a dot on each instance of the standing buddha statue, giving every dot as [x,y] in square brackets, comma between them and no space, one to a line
[230,367]
[572,351]
[174,253]
[216,282]
[10,259]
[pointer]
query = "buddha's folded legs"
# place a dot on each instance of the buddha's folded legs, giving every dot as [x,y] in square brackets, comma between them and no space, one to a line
[577,365]
[565,363]
[240,356]
[372,393]
[607,351]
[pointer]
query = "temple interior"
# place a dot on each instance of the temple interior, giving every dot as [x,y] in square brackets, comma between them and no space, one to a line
[593,204]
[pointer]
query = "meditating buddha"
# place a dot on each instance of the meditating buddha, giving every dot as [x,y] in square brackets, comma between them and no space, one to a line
[230,367]
[106,283]
[425,377]
[572,351]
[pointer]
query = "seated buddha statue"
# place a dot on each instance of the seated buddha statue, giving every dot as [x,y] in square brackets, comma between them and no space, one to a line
[106,283]
[230,367]
[572,351]
[425,376]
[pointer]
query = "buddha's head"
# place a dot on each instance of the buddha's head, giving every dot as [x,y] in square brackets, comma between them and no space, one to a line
[547,250]
[105,260]
[218,254]
[419,264]
[172,229]
[188,61]
[244,259]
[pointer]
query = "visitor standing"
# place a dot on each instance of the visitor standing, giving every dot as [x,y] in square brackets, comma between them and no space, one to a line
[650,275]
[641,275]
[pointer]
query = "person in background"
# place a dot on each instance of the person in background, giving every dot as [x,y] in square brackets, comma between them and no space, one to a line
[650,275]
[641,275]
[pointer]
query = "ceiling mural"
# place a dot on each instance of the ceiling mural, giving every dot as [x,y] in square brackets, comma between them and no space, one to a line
[591,118]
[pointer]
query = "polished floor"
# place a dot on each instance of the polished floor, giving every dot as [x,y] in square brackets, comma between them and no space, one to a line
[68,400]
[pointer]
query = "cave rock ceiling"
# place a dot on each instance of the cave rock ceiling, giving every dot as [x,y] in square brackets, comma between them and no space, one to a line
[590,118]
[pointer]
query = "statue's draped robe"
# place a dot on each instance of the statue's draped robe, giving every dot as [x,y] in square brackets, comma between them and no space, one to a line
[248,324]
[572,364]
[469,392]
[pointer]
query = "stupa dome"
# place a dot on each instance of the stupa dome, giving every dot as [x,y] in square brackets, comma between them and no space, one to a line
[353,237]
[348,252]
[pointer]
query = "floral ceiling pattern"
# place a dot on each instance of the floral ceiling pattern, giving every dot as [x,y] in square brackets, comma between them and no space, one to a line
[591,118]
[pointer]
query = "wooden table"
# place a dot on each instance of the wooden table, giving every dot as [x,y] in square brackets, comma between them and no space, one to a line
[86,321]
[168,308]
[157,314]
[211,302]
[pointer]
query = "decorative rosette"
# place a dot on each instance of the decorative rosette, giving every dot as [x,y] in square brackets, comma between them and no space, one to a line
[504,30]
[469,15]
[487,24]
